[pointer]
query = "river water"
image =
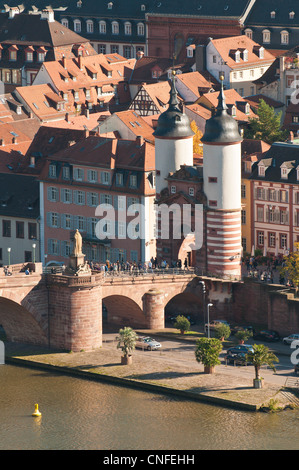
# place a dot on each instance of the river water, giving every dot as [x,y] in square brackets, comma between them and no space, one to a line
[78,414]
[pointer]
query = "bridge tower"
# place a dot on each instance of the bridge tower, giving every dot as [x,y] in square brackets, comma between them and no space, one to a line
[222,187]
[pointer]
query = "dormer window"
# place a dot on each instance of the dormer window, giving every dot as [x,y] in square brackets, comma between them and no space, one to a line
[291,15]
[237,56]
[115,27]
[297,171]
[128,28]
[102,27]
[284,173]
[89,26]
[13,53]
[140,29]
[77,26]
[248,33]
[110,5]
[245,55]
[234,111]
[247,108]
[29,55]
[142,7]
[52,170]
[273,14]
[65,22]
[284,37]
[266,36]
[261,53]
[261,170]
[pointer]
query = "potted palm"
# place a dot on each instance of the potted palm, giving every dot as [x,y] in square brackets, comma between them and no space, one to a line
[261,355]
[126,342]
[243,335]
[182,323]
[207,352]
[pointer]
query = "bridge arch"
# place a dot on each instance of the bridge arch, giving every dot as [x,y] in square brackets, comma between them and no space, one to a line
[19,323]
[120,310]
[187,304]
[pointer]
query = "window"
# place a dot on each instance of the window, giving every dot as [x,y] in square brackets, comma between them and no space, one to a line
[89,26]
[241,91]
[273,14]
[52,194]
[240,74]
[248,33]
[102,27]
[115,27]
[283,240]
[19,229]
[140,29]
[53,246]
[260,214]
[67,221]
[92,199]
[114,48]
[260,238]
[65,22]
[13,55]
[81,223]
[243,217]
[284,37]
[128,29]
[66,172]
[127,52]
[66,195]
[133,181]
[283,196]
[271,239]
[119,178]
[291,15]
[105,177]
[212,179]
[252,73]
[32,231]
[213,203]
[214,59]
[78,174]
[77,26]
[245,55]
[92,176]
[243,191]
[283,217]
[261,170]
[173,189]
[29,56]
[52,171]
[266,36]
[6,228]
[102,48]
[191,191]
[79,197]
[41,56]
[53,219]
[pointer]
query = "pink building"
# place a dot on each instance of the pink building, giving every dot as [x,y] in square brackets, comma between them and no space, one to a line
[88,177]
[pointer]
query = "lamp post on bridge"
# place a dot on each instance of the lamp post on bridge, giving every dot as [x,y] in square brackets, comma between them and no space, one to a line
[204,302]
[209,305]
[8,253]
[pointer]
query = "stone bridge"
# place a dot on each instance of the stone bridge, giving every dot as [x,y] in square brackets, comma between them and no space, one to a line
[65,312]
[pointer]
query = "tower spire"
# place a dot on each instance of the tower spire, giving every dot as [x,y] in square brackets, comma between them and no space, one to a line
[221,99]
[173,100]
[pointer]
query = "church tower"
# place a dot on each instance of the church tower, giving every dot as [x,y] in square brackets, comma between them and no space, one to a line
[173,140]
[222,187]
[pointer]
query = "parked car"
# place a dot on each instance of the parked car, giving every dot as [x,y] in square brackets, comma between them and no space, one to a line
[237,359]
[289,339]
[267,335]
[240,348]
[145,342]
[214,323]
[237,328]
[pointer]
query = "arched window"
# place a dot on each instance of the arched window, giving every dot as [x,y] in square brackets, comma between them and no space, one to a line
[102,27]
[65,22]
[128,28]
[284,37]
[248,32]
[140,29]
[77,26]
[266,36]
[115,27]
[89,26]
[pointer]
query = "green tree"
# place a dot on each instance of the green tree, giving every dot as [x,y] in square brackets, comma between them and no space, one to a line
[291,267]
[182,323]
[126,340]
[243,335]
[222,331]
[267,126]
[207,352]
[260,356]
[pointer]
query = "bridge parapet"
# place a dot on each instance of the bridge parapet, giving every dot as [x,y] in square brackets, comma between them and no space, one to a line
[75,281]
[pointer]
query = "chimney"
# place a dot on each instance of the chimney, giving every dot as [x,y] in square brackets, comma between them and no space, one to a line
[200,58]
[67,117]
[140,140]
[86,112]
[63,60]
[47,14]
[80,62]
[139,55]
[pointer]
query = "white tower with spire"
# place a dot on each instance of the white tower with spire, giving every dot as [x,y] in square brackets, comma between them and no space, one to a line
[173,140]
[222,187]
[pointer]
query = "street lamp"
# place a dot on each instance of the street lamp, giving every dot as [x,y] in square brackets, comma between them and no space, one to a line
[204,302]
[209,305]
[34,246]
[8,252]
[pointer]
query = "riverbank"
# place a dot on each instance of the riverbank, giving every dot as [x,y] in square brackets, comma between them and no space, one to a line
[149,372]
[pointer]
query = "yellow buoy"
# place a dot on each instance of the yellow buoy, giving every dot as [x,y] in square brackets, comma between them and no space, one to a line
[36,411]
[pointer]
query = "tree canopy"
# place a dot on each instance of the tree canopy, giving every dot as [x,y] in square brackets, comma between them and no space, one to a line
[291,267]
[267,126]
[197,145]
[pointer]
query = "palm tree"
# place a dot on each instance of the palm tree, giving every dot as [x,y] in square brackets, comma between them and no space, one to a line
[126,341]
[261,355]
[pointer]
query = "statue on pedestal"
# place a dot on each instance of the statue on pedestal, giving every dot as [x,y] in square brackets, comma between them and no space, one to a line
[77,266]
[77,243]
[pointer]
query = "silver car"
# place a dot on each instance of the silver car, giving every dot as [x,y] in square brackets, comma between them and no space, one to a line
[289,339]
[145,342]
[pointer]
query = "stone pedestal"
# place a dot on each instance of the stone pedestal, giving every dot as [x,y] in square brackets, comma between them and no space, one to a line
[75,261]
